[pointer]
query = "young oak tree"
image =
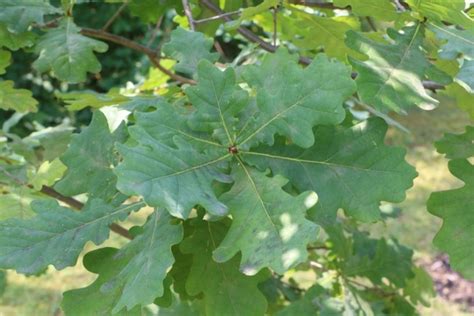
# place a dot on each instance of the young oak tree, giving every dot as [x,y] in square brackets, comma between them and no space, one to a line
[243,147]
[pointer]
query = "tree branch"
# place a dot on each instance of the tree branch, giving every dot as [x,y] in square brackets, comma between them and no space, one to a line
[189,14]
[75,204]
[152,54]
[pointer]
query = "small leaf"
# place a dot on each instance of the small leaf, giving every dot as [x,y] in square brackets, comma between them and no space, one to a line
[291,100]
[189,48]
[391,77]
[56,235]
[16,99]
[378,9]
[464,99]
[465,75]
[78,100]
[14,41]
[457,146]
[269,226]
[250,12]
[150,11]
[5,58]
[47,174]
[89,160]
[18,15]
[67,53]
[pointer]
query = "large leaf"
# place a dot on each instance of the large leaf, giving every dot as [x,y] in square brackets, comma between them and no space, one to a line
[217,100]
[178,177]
[226,291]
[390,79]
[451,11]
[456,208]
[18,15]
[137,270]
[67,53]
[14,41]
[291,100]
[189,48]
[269,226]
[349,168]
[89,159]
[378,9]
[16,99]
[56,235]
[457,41]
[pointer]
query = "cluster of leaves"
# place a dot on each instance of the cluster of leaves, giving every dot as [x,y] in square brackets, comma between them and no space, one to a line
[242,168]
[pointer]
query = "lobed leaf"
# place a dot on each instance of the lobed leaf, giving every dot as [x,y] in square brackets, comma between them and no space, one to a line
[20,100]
[18,15]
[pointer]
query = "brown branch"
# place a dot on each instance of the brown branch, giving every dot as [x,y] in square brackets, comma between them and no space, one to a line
[152,54]
[75,204]
[189,14]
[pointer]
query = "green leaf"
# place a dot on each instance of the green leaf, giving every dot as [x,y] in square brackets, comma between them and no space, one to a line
[269,226]
[5,58]
[226,291]
[56,235]
[177,178]
[91,300]
[378,9]
[391,77]
[420,288]
[457,41]
[18,15]
[465,75]
[78,100]
[378,259]
[137,270]
[156,77]
[464,99]
[67,53]
[89,160]
[291,100]
[457,146]
[218,101]
[16,99]
[455,207]
[250,12]
[16,202]
[189,48]
[47,174]
[150,11]
[14,41]
[441,10]
[349,168]
[301,26]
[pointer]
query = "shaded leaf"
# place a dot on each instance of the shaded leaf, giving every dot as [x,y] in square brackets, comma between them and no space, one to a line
[67,53]
[14,41]
[441,10]
[56,235]
[18,15]
[457,146]
[457,41]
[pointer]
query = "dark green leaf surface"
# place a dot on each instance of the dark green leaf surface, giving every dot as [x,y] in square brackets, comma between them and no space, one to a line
[348,168]
[269,226]
[18,15]
[56,235]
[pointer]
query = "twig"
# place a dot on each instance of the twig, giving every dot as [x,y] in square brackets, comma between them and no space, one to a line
[217,17]
[152,54]
[154,33]
[115,16]
[189,14]
[371,23]
[275,27]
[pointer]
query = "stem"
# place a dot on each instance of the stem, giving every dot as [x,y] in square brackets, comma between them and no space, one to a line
[75,204]
[189,14]
[217,17]
[115,16]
